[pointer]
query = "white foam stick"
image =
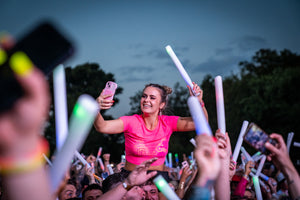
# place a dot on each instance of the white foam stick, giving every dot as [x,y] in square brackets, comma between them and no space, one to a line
[179,66]
[201,124]
[257,187]
[289,141]
[263,176]
[81,121]
[164,187]
[220,104]
[99,153]
[246,154]
[193,141]
[261,165]
[47,160]
[239,141]
[101,164]
[192,155]
[60,108]
[110,169]
[82,160]
[256,156]
[297,144]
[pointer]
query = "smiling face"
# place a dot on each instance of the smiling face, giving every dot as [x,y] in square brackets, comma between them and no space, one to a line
[151,101]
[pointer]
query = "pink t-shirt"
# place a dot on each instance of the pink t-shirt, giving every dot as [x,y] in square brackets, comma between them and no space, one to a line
[142,144]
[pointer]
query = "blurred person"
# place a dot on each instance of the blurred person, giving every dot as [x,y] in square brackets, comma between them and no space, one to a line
[151,191]
[92,192]
[68,191]
[209,165]
[126,186]
[281,159]
[21,145]
[147,135]
[244,180]
[222,184]
[186,172]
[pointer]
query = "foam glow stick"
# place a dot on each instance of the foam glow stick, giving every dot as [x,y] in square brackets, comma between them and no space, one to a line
[289,141]
[192,155]
[99,153]
[263,176]
[101,163]
[47,160]
[239,141]
[164,187]
[60,102]
[201,124]
[82,160]
[166,162]
[176,158]
[110,169]
[179,66]
[256,156]
[296,144]
[81,121]
[246,154]
[220,104]
[193,141]
[170,160]
[261,164]
[257,187]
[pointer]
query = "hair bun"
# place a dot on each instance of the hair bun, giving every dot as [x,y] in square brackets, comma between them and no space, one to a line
[167,89]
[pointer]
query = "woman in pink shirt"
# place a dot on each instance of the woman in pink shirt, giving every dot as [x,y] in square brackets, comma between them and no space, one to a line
[147,135]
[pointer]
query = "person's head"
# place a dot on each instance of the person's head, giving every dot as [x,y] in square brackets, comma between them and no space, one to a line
[150,190]
[92,192]
[135,193]
[68,191]
[154,98]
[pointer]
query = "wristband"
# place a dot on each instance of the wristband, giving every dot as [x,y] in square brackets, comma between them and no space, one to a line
[181,185]
[126,186]
[28,162]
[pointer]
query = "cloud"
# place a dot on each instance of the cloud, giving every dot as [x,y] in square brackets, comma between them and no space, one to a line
[136,73]
[249,43]
[224,51]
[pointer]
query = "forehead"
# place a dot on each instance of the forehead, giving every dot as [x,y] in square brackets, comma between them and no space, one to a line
[149,187]
[93,192]
[152,90]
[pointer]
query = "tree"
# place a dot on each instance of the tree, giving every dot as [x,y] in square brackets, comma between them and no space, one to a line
[89,79]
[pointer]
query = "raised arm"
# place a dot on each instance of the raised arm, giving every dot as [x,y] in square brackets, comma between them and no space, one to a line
[107,126]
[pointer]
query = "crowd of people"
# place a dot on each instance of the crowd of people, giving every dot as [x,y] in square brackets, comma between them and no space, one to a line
[210,173]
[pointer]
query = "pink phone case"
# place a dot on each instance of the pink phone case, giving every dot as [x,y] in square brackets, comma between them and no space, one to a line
[110,88]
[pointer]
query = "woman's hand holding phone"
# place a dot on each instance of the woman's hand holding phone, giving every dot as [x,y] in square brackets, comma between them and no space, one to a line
[105,100]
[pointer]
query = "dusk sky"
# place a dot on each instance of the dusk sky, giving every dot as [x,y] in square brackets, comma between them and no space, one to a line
[128,38]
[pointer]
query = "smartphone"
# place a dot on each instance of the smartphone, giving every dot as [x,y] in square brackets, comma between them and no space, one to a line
[46,46]
[257,138]
[110,89]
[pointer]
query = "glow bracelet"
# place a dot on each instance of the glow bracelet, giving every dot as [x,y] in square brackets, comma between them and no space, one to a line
[296,144]
[220,104]
[179,66]
[201,124]
[239,141]
[99,153]
[164,187]
[246,154]
[193,141]
[82,160]
[289,141]
[170,160]
[47,160]
[257,187]
[60,105]
[81,121]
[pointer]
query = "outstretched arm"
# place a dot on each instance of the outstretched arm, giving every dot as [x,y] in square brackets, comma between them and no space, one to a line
[107,126]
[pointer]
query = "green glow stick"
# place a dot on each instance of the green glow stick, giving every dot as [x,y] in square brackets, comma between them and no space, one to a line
[257,187]
[81,121]
[164,187]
